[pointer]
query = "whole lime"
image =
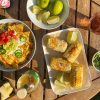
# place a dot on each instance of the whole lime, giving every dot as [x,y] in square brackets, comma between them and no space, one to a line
[58,7]
[43,3]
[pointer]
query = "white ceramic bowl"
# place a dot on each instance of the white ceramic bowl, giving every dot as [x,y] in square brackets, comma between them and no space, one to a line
[33,18]
[93,62]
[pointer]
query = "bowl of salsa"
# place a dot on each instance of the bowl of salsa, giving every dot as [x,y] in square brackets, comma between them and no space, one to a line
[96,61]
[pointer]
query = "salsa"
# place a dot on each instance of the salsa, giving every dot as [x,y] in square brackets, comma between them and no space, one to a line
[96,60]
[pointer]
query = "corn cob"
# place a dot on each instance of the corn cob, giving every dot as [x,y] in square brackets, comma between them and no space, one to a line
[76,75]
[60,64]
[73,52]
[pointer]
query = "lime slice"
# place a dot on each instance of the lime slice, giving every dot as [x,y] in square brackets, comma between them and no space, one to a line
[72,37]
[59,84]
[53,20]
[45,16]
[39,16]
[36,9]
[60,77]
[58,7]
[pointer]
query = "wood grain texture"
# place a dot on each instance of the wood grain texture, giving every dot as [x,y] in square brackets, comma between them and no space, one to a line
[39,57]
[86,94]
[12,11]
[23,12]
[97,1]
[71,19]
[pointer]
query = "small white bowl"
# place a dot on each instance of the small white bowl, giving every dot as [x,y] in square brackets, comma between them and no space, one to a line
[93,62]
[33,18]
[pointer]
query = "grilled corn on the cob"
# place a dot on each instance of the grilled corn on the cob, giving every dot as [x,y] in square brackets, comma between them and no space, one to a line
[60,64]
[76,75]
[57,44]
[73,52]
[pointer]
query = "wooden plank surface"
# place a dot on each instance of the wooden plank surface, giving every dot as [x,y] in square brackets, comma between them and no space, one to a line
[71,18]
[97,2]
[39,57]
[12,11]
[22,11]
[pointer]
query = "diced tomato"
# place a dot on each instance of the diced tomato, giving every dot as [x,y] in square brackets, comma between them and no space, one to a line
[2,35]
[11,33]
[5,36]
[1,42]
[15,37]
[6,40]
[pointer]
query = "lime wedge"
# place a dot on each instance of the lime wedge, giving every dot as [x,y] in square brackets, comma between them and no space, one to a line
[59,84]
[45,16]
[60,77]
[53,20]
[36,9]
[39,16]
[72,37]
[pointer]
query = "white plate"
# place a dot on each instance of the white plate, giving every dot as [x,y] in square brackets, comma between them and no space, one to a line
[33,18]
[81,59]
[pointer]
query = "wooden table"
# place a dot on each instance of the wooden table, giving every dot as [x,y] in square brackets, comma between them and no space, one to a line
[78,9]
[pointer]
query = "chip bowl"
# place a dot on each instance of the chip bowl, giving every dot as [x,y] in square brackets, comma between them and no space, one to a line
[30,56]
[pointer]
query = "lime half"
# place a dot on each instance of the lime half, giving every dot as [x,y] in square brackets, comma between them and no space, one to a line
[39,16]
[45,16]
[59,84]
[53,20]
[72,37]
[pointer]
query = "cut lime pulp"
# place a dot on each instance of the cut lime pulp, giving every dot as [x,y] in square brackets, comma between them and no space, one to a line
[53,20]
[72,37]
[36,9]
